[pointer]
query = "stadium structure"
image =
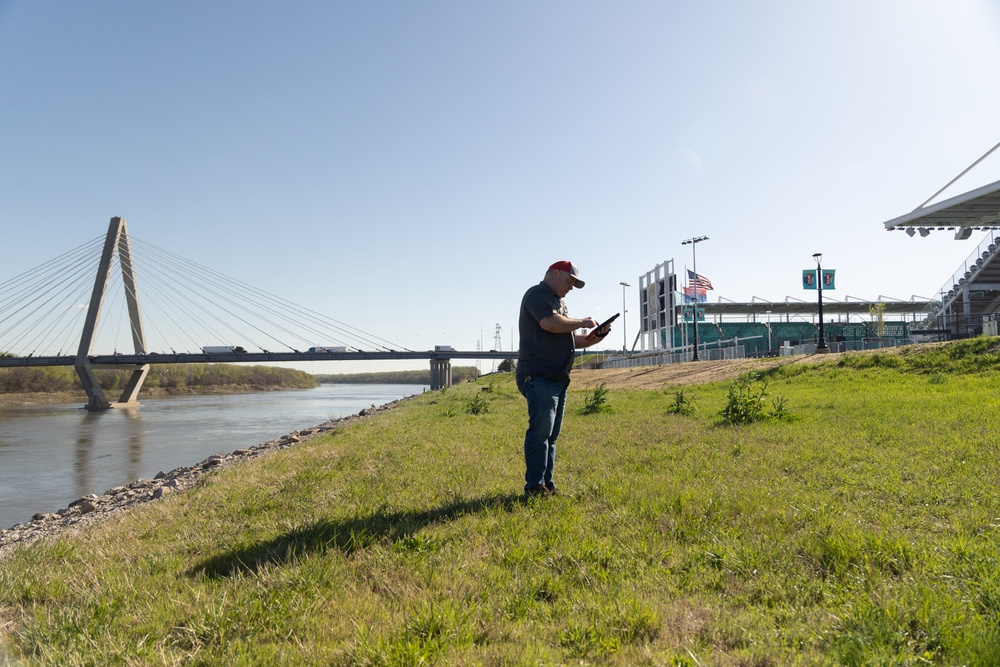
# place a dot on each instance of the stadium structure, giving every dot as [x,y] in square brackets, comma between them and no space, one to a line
[731,330]
[673,318]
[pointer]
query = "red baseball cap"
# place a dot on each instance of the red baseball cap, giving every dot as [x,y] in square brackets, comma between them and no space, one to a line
[570,268]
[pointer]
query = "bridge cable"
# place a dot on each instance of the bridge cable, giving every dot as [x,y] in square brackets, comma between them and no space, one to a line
[33,290]
[246,291]
[226,310]
[244,294]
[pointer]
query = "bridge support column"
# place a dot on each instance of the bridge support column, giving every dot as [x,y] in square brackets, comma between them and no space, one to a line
[440,373]
[116,240]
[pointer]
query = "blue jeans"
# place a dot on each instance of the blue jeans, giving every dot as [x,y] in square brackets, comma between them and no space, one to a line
[546,404]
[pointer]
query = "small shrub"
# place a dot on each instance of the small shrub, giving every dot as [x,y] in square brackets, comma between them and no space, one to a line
[597,401]
[477,405]
[682,405]
[745,403]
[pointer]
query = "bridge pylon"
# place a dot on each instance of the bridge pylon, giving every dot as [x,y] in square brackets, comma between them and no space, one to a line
[440,373]
[116,241]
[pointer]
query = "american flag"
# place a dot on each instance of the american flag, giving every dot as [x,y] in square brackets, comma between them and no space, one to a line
[698,281]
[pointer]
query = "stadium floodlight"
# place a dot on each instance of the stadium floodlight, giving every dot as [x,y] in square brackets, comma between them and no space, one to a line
[924,232]
[910,231]
[693,242]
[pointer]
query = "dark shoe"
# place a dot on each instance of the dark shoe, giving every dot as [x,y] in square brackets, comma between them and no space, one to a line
[553,491]
[539,490]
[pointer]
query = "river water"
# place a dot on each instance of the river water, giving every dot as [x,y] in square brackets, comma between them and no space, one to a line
[50,455]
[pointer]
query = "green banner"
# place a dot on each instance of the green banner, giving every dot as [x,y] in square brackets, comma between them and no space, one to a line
[809,279]
[829,276]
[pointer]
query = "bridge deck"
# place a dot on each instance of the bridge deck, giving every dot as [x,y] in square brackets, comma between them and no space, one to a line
[246,357]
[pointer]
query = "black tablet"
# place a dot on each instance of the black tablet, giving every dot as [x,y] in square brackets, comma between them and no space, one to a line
[602,325]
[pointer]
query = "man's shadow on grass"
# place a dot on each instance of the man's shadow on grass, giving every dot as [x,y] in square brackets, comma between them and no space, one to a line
[346,535]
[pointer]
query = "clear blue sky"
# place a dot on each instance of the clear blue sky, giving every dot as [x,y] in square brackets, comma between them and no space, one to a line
[411,168]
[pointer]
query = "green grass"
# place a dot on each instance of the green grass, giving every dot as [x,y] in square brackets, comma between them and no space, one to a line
[862,530]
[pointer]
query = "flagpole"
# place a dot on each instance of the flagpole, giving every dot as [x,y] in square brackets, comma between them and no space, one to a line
[693,242]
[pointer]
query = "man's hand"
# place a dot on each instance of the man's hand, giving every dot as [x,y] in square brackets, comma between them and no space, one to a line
[599,333]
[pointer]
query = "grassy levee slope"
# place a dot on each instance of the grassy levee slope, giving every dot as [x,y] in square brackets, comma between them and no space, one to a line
[863,530]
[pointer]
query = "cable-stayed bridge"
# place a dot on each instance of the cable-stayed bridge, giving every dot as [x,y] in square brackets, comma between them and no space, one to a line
[147,305]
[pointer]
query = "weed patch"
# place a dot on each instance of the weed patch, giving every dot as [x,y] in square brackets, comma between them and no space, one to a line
[596,401]
[745,403]
[683,404]
[477,405]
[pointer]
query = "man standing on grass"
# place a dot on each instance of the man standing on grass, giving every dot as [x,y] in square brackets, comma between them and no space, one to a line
[545,357]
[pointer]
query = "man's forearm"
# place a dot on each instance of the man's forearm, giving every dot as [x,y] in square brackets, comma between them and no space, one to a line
[560,324]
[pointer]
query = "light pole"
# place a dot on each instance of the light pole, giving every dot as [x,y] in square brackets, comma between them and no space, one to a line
[694,267]
[818,256]
[768,332]
[624,331]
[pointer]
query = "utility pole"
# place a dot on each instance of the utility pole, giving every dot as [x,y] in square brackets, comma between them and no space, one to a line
[624,329]
[497,344]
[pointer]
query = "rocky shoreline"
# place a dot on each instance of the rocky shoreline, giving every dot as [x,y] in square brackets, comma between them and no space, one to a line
[91,509]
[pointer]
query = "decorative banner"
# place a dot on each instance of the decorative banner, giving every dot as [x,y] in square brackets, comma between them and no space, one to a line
[828,278]
[689,314]
[809,279]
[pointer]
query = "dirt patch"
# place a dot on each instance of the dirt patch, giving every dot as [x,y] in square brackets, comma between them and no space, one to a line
[687,373]
[701,372]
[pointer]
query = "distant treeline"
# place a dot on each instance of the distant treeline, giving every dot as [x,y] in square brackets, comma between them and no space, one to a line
[458,374]
[166,378]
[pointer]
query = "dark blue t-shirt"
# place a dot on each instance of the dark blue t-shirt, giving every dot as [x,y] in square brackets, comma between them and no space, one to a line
[540,352]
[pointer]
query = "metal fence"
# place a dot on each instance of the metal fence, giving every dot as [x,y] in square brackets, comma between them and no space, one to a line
[673,357]
[846,346]
[735,351]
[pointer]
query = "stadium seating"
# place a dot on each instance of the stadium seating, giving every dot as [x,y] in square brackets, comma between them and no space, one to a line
[752,335]
[708,332]
[848,331]
[896,330]
[794,332]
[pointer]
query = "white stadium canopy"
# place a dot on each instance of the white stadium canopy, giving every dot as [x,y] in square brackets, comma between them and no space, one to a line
[977,209]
